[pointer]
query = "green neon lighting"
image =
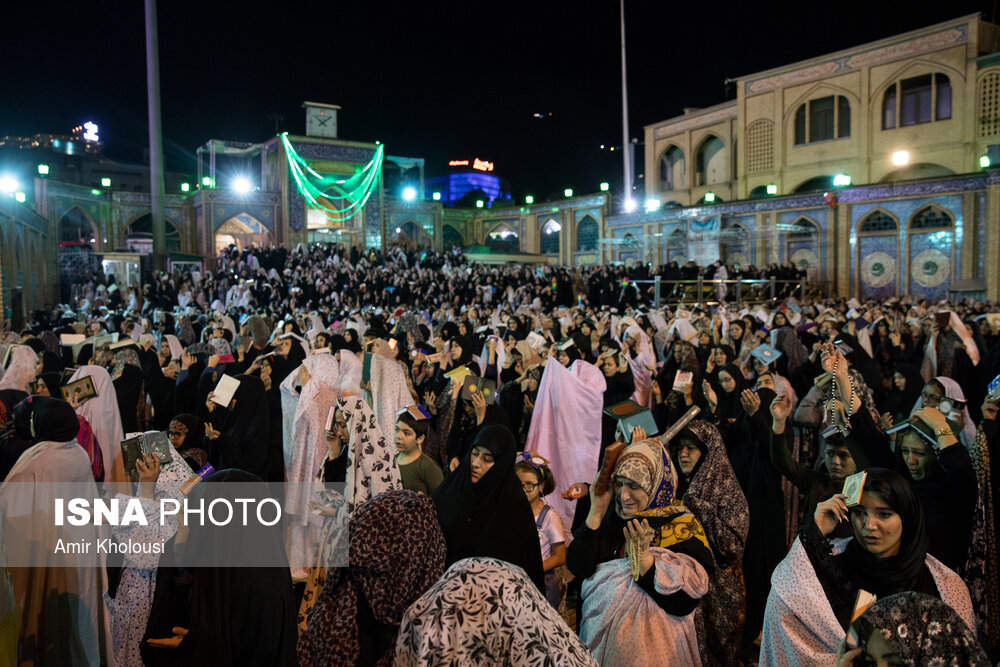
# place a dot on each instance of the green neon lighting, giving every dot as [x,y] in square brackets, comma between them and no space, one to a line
[984,161]
[529,200]
[185,187]
[605,187]
[106,182]
[43,170]
[346,196]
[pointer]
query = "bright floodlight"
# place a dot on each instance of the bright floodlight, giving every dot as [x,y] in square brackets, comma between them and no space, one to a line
[631,205]
[398,229]
[8,184]
[709,197]
[185,187]
[480,203]
[900,158]
[772,189]
[409,193]
[605,187]
[241,185]
[984,161]
[652,205]
[43,170]
[529,199]
[436,196]
[105,182]
[206,181]
[841,180]
[568,192]
[20,197]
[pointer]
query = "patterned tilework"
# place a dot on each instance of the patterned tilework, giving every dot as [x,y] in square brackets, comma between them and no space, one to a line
[879,262]
[931,265]
[981,238]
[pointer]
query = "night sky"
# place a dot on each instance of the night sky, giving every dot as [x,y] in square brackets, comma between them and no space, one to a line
[434,80]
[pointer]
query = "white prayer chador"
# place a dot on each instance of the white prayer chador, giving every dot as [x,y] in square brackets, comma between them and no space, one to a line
[642,365]
[305,450]
[800,627]
[101,412]
[389,392]
[566,427]
[350,374]
[21,370]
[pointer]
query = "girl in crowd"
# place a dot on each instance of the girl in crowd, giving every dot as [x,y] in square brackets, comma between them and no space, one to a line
[537,481]
[814,589]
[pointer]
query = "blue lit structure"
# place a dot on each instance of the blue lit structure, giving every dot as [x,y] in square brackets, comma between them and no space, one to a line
[456,185]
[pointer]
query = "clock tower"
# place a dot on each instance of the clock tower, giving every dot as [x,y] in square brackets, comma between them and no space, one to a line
[321,119]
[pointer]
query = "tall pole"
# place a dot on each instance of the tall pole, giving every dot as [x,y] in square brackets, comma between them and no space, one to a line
[156,187]
[626,144]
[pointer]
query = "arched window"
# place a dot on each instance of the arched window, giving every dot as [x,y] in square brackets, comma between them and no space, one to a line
[823,119]
[450,238]
[672,169]
[503,239]
[549,243]
[803,228]
[922,99]
[931,217]
[586,234]
[711,161]
[139,235]
[877,221]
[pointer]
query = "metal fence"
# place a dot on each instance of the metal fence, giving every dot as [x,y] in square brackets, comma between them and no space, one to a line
[709,292]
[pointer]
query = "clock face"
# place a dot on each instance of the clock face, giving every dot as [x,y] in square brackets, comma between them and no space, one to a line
[321,123]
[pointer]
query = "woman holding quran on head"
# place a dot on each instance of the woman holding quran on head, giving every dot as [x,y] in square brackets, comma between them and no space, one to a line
[817,588]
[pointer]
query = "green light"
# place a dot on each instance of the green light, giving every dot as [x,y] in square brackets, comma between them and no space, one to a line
[206,181]
[185,187]
[984,161]
[568,192]
[709,197]
[105,182]
[95,191]
[772,189]
[20,197]
[436,196]
[479,203]
[605,187]
[529,200]
[43,170]
[841,180]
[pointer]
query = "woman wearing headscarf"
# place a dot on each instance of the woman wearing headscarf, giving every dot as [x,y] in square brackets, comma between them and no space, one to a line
[814,589]
[101,412]
[15,438]
[913,629]
[709,489]
[131,394]
[725,409]
[397,552]
[645,562]
[362,459]
[945,394]
[232,616]
[71,591]
[482,507]
[485,611]
[20,369]
[238,432]
[906,387]
[187,434]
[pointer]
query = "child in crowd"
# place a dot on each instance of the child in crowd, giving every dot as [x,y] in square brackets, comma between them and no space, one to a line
[417,470]
[537,480]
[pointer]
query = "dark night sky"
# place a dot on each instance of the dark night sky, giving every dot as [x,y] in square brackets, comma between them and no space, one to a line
[434,80]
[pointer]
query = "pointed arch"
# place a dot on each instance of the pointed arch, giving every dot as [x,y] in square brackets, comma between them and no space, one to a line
[76,224]
[587,232]
[821,89]
[672,168]
[925,67]
[450,238]
[878,221]
[930,217]
[710,161]
[549,236]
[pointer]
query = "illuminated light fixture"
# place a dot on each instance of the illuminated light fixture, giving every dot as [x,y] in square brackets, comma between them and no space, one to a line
[900,158]
[709,197]
[605,187]
[398,230]
[652,205]
[43,170]
[529,200]
[984,161]
[841,180]
[409,193]
[105,182]
[568,192]
[8,184]
[20,197]
[631,205]
[480,203]
[185,187]
[436,196]
[772,189]
[95,192]
[91,131]
[206,181]
[241,185]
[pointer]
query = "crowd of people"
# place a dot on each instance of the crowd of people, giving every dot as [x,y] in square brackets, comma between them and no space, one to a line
[527,520]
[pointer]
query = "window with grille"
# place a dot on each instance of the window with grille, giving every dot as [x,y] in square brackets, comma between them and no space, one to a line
[931,218]
[989,105]
[586,234]
[823,119]
[878,221]
[760,146]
